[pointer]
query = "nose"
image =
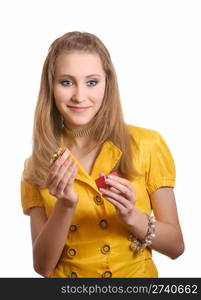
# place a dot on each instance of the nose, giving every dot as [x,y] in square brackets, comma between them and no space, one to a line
[78,94]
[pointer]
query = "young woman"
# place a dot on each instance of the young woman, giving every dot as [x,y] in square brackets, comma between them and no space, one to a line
[81,226]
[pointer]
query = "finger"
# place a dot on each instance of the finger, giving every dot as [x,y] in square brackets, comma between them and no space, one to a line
[60,160]
[114,190]
[117,197]
[55,174]
[121,181]
[59,182]
[117,205]
[66,178]
[122,188]
[73,175]
[56,155]
[111,188]
[123,210]
[71,179]
[60,173]
[54,165]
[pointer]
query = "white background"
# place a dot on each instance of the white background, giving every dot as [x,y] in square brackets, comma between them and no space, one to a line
[156,49]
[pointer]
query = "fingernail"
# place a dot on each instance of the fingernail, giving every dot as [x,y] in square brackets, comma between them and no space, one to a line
[67,154]
[66,151]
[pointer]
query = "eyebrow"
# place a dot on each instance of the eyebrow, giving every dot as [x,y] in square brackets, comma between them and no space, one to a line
[71,76]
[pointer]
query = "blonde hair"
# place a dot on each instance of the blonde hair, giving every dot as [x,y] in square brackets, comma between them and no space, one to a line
[47,126]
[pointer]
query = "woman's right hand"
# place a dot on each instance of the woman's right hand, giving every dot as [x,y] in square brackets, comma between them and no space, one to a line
[60,180]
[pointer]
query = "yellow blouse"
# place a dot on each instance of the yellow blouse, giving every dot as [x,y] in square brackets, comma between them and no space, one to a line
[98,244]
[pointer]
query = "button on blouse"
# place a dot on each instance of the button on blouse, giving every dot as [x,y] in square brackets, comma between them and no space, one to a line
[98,200]
[73,228]
[105,249]
[103,224]
[73,275]
[71,252]
[107,274]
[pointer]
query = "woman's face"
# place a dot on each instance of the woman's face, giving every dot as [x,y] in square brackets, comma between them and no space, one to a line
[79,87]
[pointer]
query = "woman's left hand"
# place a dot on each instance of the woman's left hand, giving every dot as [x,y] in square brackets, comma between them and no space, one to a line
[122,195]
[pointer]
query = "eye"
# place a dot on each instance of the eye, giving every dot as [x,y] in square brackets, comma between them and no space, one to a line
[66,82]
[93,82]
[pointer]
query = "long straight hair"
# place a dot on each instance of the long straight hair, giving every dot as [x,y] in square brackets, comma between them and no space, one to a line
[108,122]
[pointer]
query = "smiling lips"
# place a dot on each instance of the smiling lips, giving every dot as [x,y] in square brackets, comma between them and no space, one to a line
[78,108]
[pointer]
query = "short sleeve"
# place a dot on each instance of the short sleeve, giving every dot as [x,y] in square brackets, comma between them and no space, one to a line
[30,195]
[160,166]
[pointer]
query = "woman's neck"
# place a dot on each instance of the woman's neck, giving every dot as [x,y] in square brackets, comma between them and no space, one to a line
[78,144]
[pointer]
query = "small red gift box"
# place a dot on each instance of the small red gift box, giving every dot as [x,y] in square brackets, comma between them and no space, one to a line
[100,182]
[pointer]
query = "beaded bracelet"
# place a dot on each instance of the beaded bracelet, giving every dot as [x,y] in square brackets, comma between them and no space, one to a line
[138,246]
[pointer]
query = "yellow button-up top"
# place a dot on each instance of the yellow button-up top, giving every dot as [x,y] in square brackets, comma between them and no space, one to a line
[98,244]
